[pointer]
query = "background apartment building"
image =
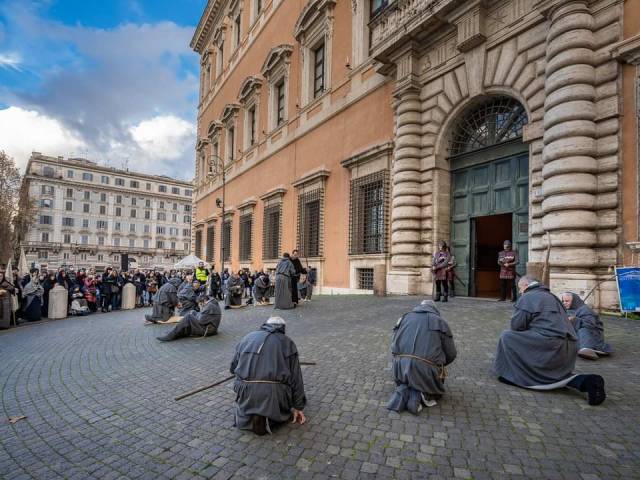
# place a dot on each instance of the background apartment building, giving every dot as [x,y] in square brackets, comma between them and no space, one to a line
[362,132]
[89,215]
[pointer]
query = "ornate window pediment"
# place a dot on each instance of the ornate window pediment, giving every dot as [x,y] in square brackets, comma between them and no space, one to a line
[202,143]
[276,56]
[214,128]
[230,112]
[249,88]
[314,11]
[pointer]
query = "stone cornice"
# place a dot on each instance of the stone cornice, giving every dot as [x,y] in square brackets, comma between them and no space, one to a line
[249,202]
[627,50]
[368,154]
[320,173]
[204,25]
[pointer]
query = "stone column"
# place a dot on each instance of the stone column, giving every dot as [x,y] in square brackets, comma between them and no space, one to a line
[406,247]
[570,184]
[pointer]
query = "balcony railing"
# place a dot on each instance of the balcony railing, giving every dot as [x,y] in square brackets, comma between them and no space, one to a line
[400,18]
[79,247]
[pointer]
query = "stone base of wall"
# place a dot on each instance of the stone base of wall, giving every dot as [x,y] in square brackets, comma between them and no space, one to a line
[403,282]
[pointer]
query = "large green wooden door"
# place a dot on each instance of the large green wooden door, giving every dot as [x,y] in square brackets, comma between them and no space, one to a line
[496,187]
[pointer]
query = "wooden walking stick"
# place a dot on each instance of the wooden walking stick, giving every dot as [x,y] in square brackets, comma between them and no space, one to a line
[220,382]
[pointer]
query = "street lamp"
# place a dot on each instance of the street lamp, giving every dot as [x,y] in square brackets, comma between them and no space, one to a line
[220,203]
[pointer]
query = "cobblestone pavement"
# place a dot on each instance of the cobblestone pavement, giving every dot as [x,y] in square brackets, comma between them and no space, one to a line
[98,395]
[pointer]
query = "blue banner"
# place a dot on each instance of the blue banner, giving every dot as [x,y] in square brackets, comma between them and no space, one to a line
[628,280]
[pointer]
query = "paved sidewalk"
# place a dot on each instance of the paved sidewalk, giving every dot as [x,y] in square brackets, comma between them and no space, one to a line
[98,395]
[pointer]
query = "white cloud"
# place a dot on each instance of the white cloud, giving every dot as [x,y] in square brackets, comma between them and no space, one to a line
[164,137]
[10,60]
[23,131]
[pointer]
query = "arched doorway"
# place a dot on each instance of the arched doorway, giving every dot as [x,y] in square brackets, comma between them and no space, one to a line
[489,191]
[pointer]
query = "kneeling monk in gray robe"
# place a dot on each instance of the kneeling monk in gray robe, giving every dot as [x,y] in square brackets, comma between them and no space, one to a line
[200,324]
[422,346]
[165,301]
[235,287]
[539,352]
[260,289]
[588,326]
[269,388]
[188,297]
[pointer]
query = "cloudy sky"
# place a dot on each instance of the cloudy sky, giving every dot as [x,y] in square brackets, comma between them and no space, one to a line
[110,80]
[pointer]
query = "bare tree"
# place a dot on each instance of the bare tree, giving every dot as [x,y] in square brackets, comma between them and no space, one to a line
[16,208]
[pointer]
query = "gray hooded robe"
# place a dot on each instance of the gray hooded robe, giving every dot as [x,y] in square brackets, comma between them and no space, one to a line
[260,288]
[541,347]
[202,324]
[187,298]
[271,358]
[588,325]
[284,271]
[165,301]
[422,345]
[235,287]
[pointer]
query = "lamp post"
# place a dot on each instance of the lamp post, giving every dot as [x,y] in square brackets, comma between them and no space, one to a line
[220,203]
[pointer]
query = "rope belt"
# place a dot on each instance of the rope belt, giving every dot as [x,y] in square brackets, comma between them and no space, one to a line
[442,370]
[261,381]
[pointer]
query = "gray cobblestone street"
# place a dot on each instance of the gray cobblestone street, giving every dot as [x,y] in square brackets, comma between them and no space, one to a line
[98,395]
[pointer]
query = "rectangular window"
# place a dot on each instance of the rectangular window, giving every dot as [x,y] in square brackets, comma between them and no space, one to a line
[116,241]
[46,190]
[147,215]
[48,172]
[225,250]
[147,229]
[271,231]
[251,124]
[174,217]
[118,212]
[365,278]
[188,193]
[147,203]
[368,216]
[104,179]
[67,238]
[117,226]
[309,222]
[187,219]
[132,227]
[162,216]
[103,197]
[246,224]
[119,182]
[280,103]
[101,224]
[175,206]
[318,71]
[87,177]
[211,229]
[100,240]
[103,210]
[175,190]
[132,242]
[160,230]
[85,223]
[45,236]
[67,222]
[68,206]
[69,193]
[133,213]
[162,188]
[159,244]
[187,208]
[237,26]
[231,133]
[119,199]
[46,203]
[84,239]
[186,233]
[145,243]
[161,205]
[198,244]
[134,184]
[377,6]
[87,195]
[43,254]
[134,201]
[69,173]
[100,255]
[86,207]
[148,186]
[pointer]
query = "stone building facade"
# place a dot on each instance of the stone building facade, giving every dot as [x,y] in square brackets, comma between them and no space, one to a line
[88,215]
[475,121]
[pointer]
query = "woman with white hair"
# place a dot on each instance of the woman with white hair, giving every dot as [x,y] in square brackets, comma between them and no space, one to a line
[269,387]
[588,326]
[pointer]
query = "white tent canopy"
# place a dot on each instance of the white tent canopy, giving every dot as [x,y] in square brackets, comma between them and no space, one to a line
[190,261]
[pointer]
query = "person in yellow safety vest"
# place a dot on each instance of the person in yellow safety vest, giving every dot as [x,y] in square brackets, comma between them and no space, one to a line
[202,273]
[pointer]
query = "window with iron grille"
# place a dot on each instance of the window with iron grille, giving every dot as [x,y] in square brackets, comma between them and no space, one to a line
[368,217]
[246,231]
[225,250]
[271,227]
[198,245]
[365,278]
[310,216]
[210,239]
[280,103]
